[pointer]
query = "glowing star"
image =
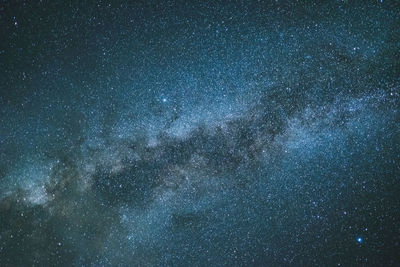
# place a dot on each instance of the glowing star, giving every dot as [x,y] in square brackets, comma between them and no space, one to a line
[359,240]
[164,100]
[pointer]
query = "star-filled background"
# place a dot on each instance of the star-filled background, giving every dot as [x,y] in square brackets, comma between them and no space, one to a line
[199,133]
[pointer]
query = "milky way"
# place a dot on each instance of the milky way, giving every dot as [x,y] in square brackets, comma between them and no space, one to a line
[163,133]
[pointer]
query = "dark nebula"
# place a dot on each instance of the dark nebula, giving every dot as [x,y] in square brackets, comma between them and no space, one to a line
[200,133]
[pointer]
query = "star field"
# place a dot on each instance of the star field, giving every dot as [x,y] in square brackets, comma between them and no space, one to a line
[202,133]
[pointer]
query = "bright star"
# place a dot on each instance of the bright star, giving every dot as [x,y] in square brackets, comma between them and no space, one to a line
[359,240]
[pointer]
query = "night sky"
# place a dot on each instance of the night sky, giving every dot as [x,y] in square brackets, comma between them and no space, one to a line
[200,133]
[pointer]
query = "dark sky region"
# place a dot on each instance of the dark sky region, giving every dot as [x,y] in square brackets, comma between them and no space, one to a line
[200,133]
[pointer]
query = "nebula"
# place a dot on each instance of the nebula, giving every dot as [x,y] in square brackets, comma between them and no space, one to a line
[163,133]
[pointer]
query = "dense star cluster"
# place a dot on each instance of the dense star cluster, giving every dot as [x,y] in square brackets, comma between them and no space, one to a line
[199,133]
